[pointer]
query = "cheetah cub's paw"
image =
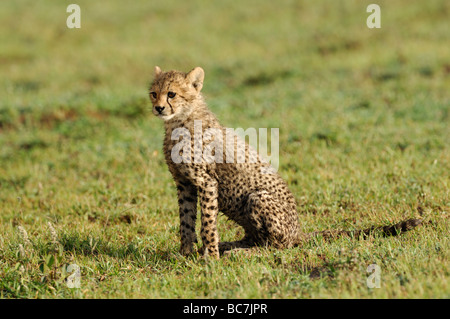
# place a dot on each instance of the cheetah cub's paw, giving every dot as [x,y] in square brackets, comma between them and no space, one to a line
[206,254]
[186,250]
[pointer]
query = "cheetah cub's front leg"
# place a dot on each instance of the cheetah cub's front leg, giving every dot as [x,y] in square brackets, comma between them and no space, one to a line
[208,194]
[187,202]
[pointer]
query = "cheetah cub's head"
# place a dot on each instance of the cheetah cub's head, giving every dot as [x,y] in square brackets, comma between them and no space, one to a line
[173,94]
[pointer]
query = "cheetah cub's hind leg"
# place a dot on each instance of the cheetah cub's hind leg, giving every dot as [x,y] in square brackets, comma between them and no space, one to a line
[267,222]
[270,221]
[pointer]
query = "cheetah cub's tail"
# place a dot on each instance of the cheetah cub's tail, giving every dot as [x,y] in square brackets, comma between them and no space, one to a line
[390,230]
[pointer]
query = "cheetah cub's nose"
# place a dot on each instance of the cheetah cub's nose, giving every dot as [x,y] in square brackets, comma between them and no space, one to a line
[159,109]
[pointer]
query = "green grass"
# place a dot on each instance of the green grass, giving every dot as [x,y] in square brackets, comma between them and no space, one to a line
[364,139]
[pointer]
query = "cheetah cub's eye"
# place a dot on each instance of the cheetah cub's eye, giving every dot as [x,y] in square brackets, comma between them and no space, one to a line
[153,94]
[171,95]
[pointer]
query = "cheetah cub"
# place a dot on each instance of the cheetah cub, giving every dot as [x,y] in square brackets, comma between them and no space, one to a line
[246,190]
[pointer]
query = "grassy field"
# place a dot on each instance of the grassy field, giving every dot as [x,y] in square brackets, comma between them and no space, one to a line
[363,116]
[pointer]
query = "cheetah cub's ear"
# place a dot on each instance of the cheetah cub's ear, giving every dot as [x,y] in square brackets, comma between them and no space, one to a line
[195,78]
[157,71]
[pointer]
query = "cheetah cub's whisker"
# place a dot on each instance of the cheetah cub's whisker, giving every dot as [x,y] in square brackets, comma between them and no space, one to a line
[241,185]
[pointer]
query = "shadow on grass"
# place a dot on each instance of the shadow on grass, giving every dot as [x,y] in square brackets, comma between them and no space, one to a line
[94,246]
